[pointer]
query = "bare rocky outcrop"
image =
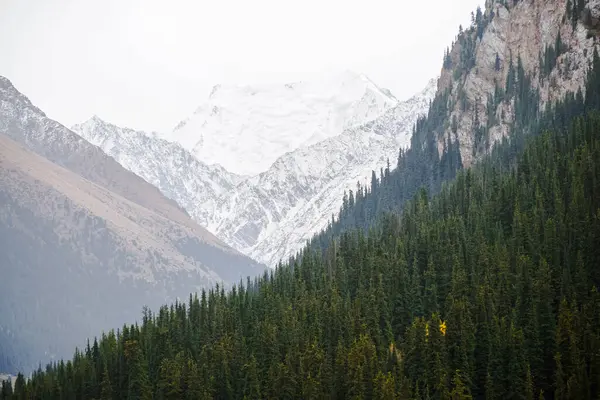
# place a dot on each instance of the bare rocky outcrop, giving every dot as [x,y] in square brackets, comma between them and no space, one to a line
[591,17]
[513,30]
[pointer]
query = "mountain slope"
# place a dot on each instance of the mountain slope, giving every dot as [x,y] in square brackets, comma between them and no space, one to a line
[269,216]
[168,166]
[26,124]
[545,40]
[246,128]
[77,226]
[484,101]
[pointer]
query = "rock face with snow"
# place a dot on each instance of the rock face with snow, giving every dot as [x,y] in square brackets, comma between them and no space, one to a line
[246,128]
[270,215]
[167,165]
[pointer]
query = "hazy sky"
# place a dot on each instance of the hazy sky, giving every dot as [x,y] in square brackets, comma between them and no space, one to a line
[147,64]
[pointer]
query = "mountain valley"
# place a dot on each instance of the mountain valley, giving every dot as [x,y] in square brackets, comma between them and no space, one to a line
[440,247]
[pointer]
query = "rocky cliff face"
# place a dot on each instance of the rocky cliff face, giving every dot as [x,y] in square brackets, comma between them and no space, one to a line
[513,33]
[591,17]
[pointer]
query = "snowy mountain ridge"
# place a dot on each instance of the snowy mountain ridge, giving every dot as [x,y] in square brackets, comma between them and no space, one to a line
[270,215]
[167,165]
[246,128]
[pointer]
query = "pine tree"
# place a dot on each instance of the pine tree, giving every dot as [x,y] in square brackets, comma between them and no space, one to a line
[459,391]
[139,385]
[106,392]
[384,387]
[252,388]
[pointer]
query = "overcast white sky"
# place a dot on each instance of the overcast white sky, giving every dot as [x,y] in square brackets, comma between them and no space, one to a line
[147,64]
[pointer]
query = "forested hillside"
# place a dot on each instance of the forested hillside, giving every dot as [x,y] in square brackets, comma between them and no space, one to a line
[461,117]
[488,289]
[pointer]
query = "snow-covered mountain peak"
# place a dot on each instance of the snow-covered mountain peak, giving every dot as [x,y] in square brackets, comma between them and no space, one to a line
[269,215]
[104,134]
[96,119]
[429,91]
[96,122]
[120,142]
[99,132]
[9,92]
[245,128]
[416,105]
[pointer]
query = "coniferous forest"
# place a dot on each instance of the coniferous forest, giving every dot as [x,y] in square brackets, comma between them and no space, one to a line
[484,286]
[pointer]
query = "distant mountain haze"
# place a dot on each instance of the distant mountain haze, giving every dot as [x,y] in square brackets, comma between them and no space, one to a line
[86,243]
